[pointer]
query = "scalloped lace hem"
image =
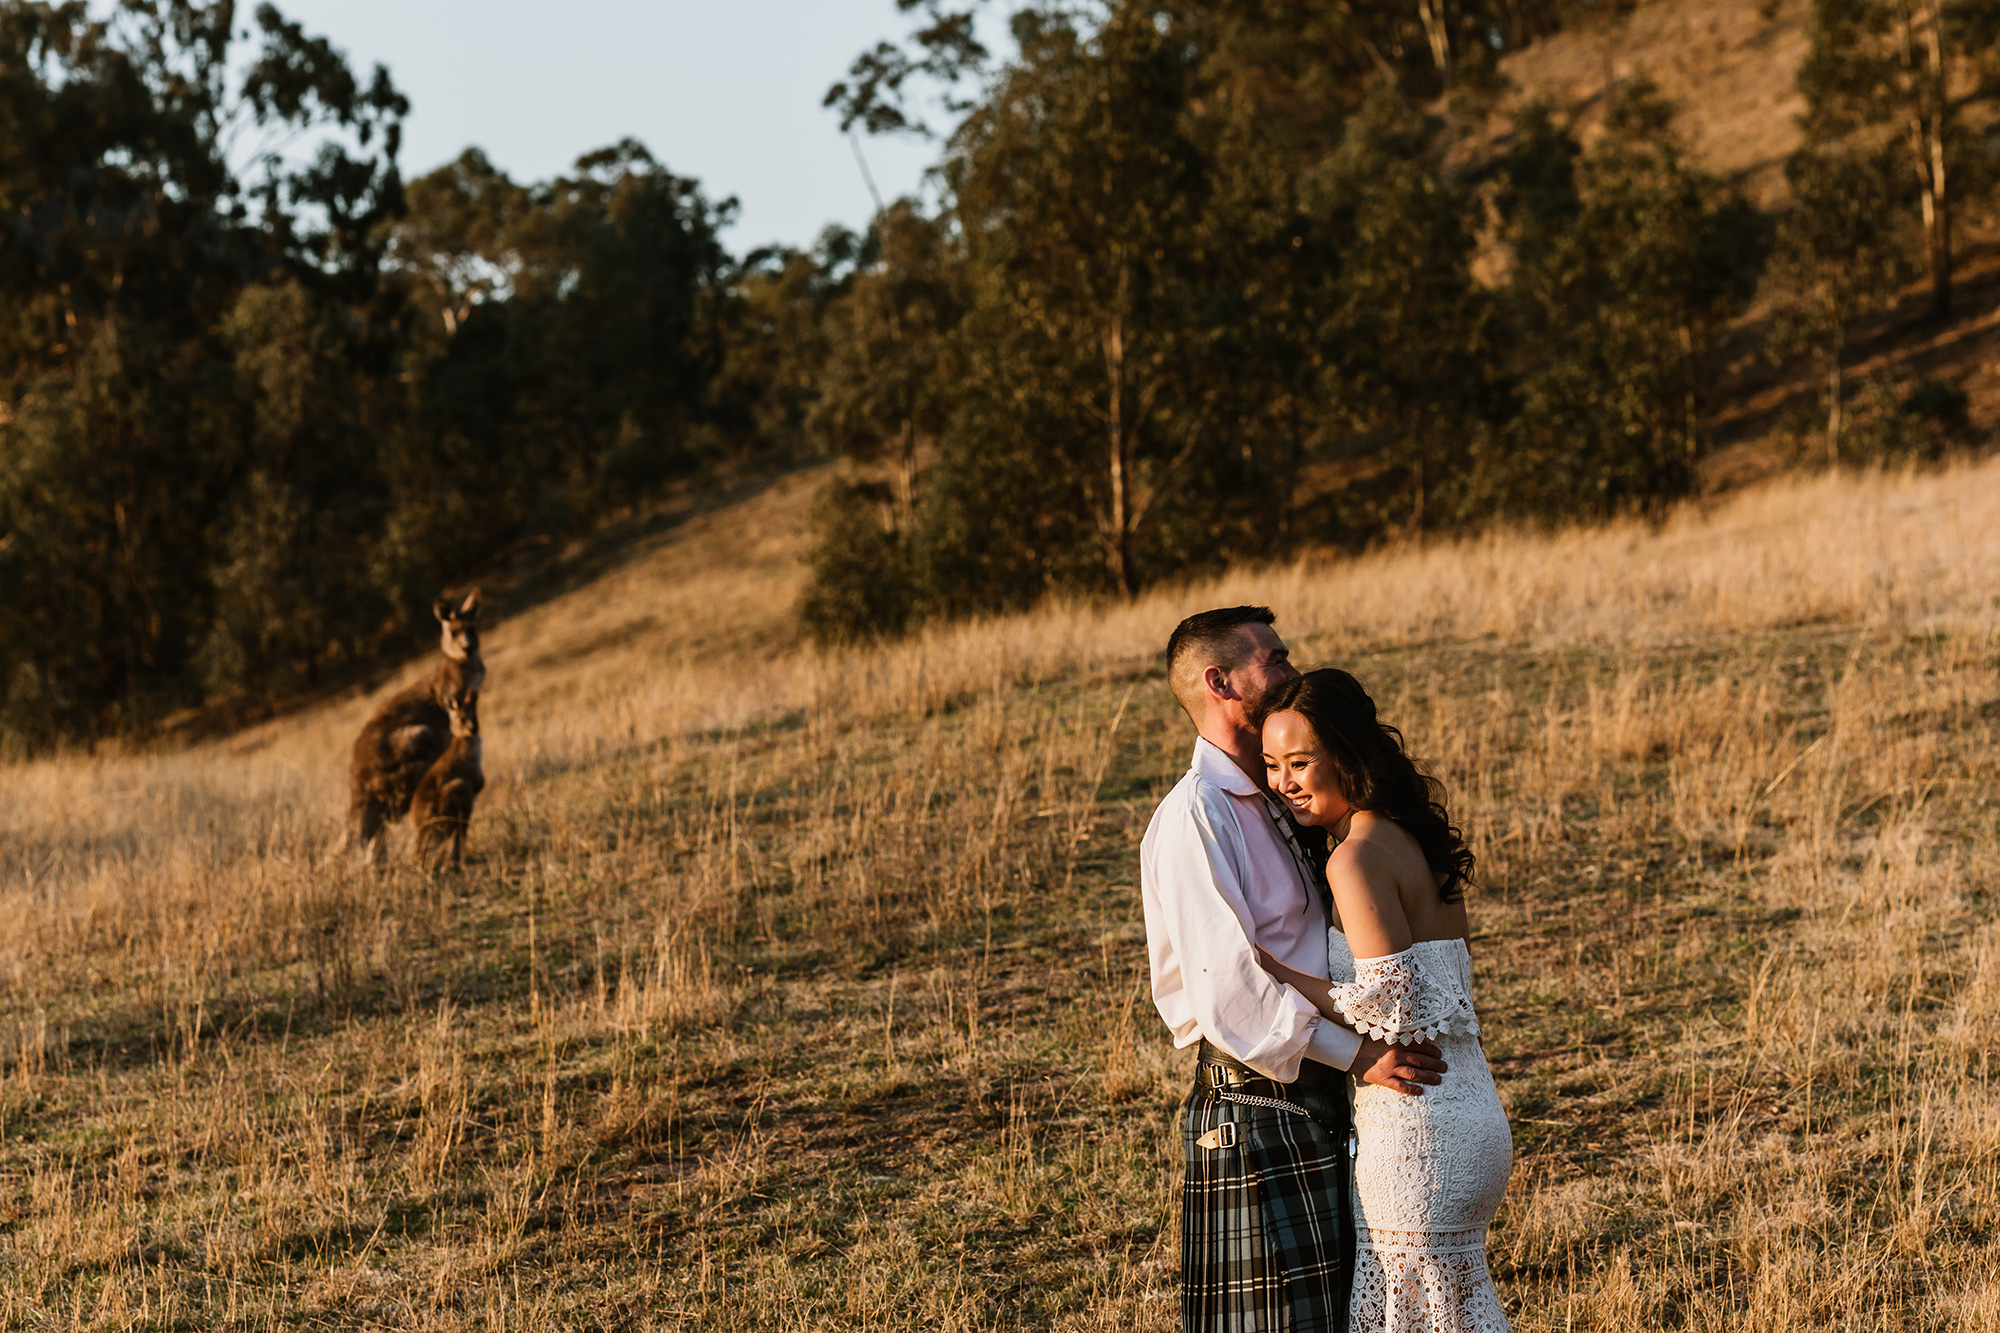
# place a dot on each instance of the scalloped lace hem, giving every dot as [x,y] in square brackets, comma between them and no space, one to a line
[1424,1282]
[1403,1034]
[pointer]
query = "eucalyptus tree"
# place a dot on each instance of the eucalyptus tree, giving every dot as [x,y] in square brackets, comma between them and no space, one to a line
[455,242]
[1320,54]
[1408,364]
[1628,264]
[885,395]
[1080,196]
[583,326]
[781,304]
[1912,71]
[1843,252]
[257,401]
[882,392]
[142,190]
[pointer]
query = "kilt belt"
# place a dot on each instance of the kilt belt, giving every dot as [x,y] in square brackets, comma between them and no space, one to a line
[1267,1242]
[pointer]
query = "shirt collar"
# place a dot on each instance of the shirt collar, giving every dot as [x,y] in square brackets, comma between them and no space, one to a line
[1214,765]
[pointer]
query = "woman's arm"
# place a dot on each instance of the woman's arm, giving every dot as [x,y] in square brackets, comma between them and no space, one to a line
[1317,989]
[1404,1069]
[1364,891]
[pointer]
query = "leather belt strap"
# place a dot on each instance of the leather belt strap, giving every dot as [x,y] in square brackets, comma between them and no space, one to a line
[1222,1076]
[1220,1070]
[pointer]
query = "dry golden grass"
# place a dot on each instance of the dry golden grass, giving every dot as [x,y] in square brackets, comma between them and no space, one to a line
[801,991]
[1729,66]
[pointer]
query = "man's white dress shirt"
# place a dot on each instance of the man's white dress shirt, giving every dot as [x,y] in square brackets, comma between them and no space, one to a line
[1219,877]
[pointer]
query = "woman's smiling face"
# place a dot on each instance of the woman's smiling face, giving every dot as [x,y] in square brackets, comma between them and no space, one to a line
[1298,770]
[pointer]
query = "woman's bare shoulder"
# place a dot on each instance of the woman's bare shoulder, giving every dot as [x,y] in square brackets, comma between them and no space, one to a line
[1384,854]
[1382,837]
[1364,859]
[1364,876]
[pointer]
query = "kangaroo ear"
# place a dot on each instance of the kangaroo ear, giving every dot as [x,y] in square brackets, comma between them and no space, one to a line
[469,608]
[444,611]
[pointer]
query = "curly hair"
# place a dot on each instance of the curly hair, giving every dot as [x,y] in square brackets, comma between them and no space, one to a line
[1373,769]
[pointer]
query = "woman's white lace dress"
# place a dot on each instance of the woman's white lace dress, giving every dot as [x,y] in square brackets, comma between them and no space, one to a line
[1428,1171]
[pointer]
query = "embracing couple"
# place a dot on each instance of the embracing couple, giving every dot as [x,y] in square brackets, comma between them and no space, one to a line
[1305,916]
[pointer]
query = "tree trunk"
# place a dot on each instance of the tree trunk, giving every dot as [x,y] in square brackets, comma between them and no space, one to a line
[1934,200]
[1690,405]
[1288,485]
[1121,505]
[1437,31]
[1836,387]
[1928,131]
[1937,220]
[906,475]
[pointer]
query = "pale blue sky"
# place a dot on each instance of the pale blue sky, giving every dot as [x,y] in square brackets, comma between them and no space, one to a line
[726,91]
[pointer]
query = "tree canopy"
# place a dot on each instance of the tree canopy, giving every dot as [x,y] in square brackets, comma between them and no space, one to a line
[257,405]
[1202,281]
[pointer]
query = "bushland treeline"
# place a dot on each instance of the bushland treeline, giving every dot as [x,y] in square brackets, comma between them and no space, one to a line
[260,397]
[1203,280]
[1210,279]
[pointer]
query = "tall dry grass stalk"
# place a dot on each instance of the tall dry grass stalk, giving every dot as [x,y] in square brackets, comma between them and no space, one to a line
[802,990]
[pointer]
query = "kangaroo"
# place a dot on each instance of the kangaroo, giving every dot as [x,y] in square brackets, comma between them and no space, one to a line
[442,807]
[411,729]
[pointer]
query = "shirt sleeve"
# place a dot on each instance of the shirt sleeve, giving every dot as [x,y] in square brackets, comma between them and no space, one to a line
[1197,875]
[1332,1044]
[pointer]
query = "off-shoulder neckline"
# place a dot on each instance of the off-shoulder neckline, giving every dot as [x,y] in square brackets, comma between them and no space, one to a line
[1414,946]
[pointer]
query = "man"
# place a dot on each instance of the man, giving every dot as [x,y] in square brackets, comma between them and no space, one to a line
[1266,1236]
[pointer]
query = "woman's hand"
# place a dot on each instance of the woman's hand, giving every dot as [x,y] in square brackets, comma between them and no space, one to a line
[1291,976]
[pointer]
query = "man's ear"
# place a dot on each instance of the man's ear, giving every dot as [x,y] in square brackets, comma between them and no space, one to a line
[1216,682]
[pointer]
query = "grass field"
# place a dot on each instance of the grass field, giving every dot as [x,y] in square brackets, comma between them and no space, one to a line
[797,991]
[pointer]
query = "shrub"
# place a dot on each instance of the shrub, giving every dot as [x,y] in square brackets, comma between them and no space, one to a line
[861,585]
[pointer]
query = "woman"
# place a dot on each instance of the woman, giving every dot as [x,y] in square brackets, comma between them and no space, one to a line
[1429,1170]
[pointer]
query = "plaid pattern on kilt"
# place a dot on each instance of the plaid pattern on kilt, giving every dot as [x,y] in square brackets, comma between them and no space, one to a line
[1267,1241]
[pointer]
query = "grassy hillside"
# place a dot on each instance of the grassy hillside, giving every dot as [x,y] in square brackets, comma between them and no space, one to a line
[1730,67]
[800,991]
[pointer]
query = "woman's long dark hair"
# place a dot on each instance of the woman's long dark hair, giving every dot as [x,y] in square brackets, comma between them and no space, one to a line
[1373,769]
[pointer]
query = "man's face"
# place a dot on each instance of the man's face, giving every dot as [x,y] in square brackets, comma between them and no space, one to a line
[1268,667]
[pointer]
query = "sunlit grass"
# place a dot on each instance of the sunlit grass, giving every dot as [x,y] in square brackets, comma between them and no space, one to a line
[800,991]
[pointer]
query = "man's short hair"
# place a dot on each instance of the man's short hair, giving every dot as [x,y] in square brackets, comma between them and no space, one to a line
[1206,639]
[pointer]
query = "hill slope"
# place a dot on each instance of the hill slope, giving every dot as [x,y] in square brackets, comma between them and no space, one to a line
[808,991]
[1729,66]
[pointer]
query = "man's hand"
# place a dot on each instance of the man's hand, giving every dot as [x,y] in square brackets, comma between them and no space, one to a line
[1398,1068]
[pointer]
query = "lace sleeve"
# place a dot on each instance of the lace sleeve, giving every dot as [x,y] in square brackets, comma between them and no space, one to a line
[1396,999]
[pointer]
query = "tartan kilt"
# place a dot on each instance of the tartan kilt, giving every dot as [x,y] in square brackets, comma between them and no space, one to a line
[1267,1239]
